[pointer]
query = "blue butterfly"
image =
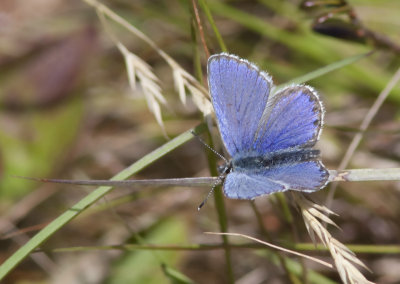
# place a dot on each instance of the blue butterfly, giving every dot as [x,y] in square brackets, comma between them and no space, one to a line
[269,136]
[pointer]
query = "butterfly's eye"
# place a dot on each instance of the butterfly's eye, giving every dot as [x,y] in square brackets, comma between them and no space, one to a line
[228,169]
[221,169]
[225,168]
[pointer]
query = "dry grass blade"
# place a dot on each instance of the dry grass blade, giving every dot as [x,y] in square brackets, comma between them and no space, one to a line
[275,247]
[140,70]
[137,68]
[344,258]
[364,126]
[202,102]
[182,80]
[180,85]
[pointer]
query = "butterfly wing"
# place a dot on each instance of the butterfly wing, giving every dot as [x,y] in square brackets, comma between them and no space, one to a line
[304,176]
[240,185]
[292,118]
[252,125]
[239,92]
[291,121]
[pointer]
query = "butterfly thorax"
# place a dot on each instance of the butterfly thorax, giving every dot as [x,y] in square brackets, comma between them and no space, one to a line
[245,162]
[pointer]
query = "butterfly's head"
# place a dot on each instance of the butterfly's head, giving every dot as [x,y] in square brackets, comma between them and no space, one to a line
[225,168]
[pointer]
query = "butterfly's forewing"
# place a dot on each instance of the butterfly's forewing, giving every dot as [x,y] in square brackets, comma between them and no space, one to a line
[292,119]
[239,93]
[304,176]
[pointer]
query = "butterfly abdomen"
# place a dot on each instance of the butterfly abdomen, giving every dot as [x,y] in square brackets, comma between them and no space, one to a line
[292,156]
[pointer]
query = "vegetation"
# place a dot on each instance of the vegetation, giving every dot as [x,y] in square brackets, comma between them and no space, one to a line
[94,90]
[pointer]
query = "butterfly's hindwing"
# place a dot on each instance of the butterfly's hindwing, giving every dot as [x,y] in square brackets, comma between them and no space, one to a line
[248,184]
[292,119]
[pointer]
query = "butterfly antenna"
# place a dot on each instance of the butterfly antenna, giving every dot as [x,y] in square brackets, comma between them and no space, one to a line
[217,182]
[208,195]
[211,149]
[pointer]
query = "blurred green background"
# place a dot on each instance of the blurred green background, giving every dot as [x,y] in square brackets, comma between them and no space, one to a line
[67,111]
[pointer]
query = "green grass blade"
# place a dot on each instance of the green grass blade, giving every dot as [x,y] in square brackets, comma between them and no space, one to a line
[210,18]
[326,69]
[221,212]
[91,198]
[175,276]
[293,41]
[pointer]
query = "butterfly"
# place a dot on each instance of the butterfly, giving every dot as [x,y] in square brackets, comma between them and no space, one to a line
[269,136]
